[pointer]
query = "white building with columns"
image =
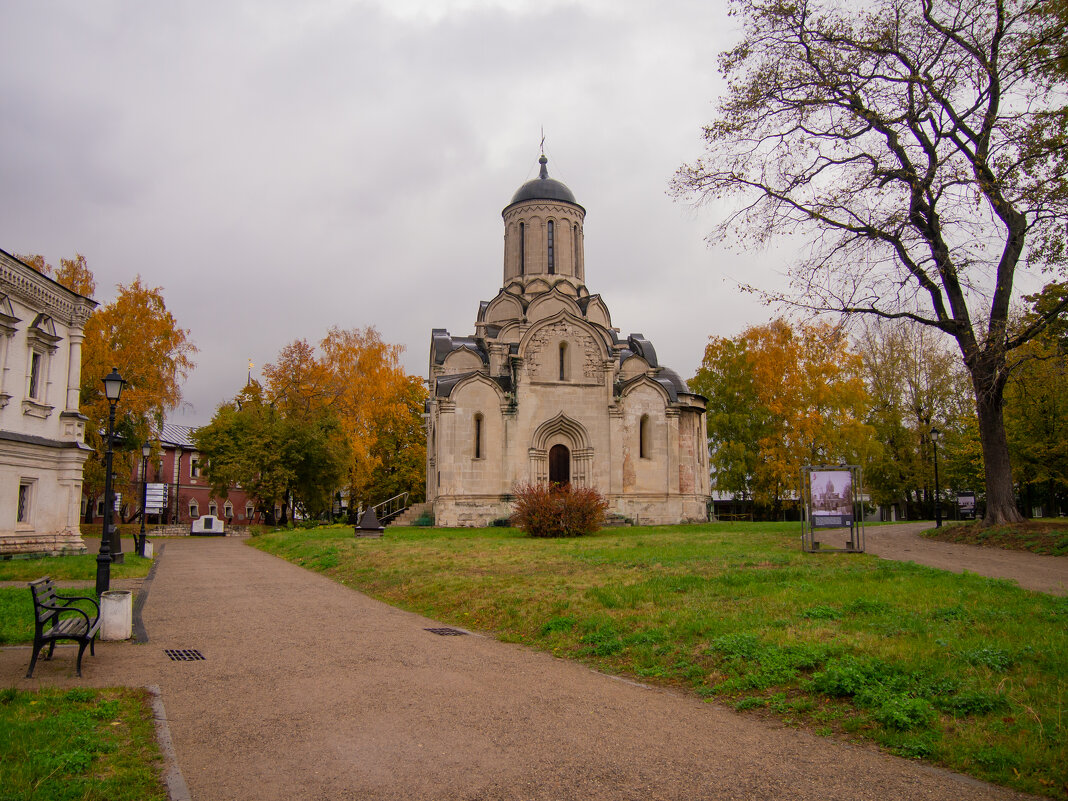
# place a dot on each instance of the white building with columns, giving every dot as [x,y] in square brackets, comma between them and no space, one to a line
[546,390]
[42,433]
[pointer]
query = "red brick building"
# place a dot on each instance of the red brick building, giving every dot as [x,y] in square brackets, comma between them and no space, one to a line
[189,494]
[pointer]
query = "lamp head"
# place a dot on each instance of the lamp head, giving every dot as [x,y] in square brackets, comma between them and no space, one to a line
[113,384]
[935,434]
[146,450]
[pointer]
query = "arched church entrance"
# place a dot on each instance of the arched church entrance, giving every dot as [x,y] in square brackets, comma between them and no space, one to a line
[559,465]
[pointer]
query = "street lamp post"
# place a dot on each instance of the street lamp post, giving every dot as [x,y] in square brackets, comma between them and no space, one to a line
[113,384]
[146,451]
[935,434]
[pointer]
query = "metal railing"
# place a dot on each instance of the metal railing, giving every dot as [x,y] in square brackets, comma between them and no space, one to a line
[390,508]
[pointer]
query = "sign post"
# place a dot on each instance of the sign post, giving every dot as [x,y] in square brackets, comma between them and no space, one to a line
[155,498]
[966,505]
[831,496]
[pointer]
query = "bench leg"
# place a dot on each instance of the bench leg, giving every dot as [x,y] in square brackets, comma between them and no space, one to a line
[33,659]
[51,650]
[81,650]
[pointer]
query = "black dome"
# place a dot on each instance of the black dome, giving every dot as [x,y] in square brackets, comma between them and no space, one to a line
[543,188]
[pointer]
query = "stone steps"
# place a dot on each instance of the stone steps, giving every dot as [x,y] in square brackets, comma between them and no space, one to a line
[411,514]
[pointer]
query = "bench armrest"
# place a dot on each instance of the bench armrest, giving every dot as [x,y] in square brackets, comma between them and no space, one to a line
[69,598]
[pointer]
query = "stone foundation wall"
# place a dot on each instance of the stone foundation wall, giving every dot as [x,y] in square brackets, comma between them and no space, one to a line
[56,544]
[659,510]
[643,510]
[470,511]
[182,530]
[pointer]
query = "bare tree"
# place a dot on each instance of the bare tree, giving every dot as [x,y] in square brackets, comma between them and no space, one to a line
[920,145]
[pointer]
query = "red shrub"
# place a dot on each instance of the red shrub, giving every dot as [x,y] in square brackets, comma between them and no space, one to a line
[558,511]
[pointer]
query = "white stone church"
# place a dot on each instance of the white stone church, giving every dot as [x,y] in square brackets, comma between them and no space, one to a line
[547,390]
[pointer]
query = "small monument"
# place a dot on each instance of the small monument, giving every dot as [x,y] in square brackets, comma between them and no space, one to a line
[369,525]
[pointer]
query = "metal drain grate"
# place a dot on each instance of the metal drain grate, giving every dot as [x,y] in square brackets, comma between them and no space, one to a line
[444,632]
[183,654]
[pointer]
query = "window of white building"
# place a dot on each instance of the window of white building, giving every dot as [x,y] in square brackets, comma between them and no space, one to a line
[25,503]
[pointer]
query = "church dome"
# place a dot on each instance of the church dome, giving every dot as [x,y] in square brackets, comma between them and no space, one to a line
[543,188]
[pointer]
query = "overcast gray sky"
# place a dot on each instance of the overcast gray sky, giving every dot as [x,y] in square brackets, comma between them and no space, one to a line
[281,167]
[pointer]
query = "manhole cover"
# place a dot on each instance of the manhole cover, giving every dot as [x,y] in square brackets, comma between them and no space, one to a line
[444,632]
[183,654]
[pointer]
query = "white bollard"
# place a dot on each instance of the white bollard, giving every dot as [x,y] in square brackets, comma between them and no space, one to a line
[116,615]
[148,550]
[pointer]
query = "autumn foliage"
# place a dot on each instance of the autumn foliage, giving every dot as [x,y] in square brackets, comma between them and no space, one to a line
[555,510]
[780,397]
[74,273]
[344,415]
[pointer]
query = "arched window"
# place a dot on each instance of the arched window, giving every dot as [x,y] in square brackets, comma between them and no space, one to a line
[213,509]
[228,510]
[644,450]
[575,242]
[552,260]
[563,361]
[194,509]
[250,511]
[522,250]
[478,436]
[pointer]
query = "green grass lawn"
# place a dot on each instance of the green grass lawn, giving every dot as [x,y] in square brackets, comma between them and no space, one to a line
[16,603]
[16,613]
[81,567]
[78,745]
[958,670]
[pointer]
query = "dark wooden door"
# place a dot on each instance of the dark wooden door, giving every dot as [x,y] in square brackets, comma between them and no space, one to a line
[559,465]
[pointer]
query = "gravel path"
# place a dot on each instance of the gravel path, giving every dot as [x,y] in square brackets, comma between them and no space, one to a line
[310,690]
[1032,571]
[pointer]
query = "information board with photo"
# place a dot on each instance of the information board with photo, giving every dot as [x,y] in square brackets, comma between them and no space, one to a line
[832,498]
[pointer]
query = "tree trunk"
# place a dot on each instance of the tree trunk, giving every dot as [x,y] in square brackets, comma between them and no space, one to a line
[988,379]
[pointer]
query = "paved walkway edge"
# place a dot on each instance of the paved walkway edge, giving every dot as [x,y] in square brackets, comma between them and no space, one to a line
[172,774]
[139,633]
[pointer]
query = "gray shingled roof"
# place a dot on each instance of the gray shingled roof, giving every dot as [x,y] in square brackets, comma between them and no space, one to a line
[174,434]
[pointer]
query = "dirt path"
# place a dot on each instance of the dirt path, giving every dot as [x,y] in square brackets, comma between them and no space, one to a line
[902,543]
[310,690]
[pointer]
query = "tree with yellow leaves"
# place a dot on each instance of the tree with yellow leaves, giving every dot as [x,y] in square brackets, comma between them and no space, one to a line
[74,273]
[136,334]
[357,379]
[781,397]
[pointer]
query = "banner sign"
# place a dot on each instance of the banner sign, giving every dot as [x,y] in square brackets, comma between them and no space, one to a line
[832,498]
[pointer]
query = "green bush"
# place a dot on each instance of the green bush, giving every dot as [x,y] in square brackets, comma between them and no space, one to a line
[558,510]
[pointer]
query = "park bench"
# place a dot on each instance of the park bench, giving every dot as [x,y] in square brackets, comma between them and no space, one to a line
[56,619]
